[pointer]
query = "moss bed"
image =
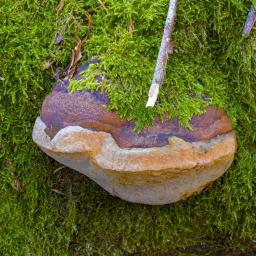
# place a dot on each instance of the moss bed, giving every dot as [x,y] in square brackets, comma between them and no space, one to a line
[43,212]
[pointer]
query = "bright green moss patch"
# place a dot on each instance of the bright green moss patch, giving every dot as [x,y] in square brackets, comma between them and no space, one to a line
[66,213]
[126,36]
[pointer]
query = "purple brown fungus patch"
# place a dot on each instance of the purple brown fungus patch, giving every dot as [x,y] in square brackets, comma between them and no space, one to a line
[88,110]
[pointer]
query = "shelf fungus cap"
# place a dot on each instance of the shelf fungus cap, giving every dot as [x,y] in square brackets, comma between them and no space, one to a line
[163,164]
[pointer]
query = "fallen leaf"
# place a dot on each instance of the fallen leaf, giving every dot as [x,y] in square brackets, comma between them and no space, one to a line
[60,6]
[76,56]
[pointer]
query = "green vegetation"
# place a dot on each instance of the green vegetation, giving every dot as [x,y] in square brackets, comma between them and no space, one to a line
[210,58]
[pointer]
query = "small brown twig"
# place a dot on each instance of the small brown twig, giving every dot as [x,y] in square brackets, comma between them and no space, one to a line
[250,21]
[57,191]
[165,49]
[58,169]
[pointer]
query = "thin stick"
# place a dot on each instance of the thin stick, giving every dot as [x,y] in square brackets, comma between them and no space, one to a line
[250,21]
[162,59]
[58,169]
[57,191]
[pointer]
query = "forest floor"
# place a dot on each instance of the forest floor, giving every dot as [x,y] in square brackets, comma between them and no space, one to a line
[49,212]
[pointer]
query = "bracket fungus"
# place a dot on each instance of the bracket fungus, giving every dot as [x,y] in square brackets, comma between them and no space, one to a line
[162,164]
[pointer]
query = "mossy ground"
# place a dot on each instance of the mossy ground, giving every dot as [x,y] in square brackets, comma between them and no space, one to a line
[210,59]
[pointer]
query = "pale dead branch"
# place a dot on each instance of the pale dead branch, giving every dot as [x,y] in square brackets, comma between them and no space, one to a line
[250,21]
[165,49]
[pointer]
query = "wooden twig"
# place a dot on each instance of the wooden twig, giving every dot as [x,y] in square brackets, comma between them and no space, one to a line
[57,191]
[165,49]
[250,21]
[58,169]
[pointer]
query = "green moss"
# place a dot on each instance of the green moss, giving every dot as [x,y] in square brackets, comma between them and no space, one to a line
[205,37]
[210,58]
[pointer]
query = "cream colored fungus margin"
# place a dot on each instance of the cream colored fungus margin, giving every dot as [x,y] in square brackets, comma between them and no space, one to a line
[156,176]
